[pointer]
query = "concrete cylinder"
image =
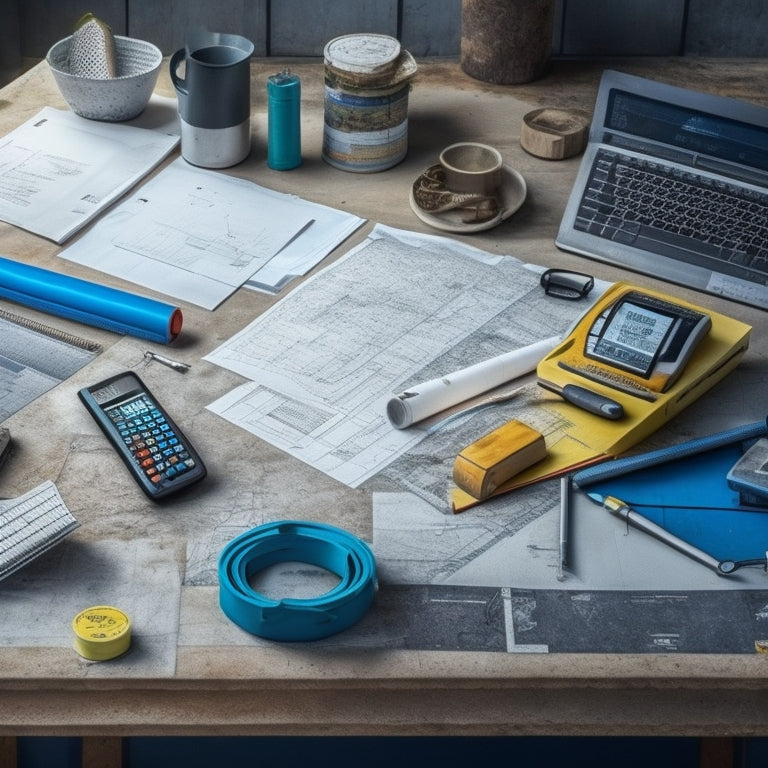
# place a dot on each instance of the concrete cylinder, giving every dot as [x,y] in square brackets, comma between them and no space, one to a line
[506,41]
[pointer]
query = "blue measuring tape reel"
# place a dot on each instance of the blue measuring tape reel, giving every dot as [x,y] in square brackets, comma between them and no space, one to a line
[321,545]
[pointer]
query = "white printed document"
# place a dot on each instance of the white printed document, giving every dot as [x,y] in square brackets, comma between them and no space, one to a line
[329,228]
[198,235]
[58,170]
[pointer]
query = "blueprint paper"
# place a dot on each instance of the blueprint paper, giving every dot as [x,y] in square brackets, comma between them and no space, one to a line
[39,602]
[324,361]
[512,542]
[58,170]
[35,358]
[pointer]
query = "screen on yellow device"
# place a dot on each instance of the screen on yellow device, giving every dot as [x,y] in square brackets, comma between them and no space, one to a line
[635,341]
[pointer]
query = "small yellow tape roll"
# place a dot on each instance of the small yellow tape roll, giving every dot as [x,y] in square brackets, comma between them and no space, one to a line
[101,633]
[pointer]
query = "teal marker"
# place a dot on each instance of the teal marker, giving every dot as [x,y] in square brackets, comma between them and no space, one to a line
[283,121]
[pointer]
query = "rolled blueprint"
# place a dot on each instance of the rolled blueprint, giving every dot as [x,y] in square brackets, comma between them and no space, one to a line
[436,395]
[89,303]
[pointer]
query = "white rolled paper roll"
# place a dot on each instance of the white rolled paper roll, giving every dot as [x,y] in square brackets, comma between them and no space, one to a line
[433,396]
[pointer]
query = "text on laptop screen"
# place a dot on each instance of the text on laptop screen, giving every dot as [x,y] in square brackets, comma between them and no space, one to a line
[688,129]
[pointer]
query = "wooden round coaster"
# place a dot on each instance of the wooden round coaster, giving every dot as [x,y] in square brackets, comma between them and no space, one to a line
[555,134]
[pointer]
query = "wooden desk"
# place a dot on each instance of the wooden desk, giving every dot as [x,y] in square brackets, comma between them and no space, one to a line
[296,690]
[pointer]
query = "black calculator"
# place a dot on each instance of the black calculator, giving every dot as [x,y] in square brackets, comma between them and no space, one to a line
[159,456]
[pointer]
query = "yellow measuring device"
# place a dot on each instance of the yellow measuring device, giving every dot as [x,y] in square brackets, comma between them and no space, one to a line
[101,633]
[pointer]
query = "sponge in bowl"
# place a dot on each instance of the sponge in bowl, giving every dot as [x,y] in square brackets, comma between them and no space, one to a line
[92,53]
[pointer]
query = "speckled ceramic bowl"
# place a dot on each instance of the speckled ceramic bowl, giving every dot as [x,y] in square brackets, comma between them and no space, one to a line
[109,99]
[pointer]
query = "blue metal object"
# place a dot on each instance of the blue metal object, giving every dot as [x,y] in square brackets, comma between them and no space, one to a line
[283,121]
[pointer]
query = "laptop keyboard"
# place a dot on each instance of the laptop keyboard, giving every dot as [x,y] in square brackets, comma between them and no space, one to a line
[677,214]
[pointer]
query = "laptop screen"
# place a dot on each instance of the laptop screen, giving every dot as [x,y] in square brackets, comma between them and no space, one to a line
[688,129]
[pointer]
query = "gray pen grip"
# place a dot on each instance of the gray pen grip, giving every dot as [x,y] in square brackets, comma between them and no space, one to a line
[593,402]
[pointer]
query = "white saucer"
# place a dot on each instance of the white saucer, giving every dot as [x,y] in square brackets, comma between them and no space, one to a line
[512,192]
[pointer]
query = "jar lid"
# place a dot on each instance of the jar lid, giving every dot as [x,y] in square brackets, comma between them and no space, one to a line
[363,54]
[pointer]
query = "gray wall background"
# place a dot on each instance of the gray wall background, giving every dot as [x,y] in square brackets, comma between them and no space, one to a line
[584,28]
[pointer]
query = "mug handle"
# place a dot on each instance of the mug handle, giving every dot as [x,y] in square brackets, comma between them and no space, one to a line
[178,83]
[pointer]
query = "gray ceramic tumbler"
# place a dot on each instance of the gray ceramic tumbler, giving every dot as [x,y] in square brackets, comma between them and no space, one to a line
[214,98]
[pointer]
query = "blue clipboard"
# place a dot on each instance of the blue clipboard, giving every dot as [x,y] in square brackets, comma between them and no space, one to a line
[684,489]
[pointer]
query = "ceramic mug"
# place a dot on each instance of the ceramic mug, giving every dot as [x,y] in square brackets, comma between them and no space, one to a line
[470,167]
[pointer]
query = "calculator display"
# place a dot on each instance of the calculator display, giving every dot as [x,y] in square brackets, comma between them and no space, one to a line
[113,389]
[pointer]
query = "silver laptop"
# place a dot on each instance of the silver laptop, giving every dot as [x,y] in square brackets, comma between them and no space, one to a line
[674,184]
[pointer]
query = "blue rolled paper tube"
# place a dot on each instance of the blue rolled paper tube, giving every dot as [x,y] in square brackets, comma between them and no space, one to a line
[88,302]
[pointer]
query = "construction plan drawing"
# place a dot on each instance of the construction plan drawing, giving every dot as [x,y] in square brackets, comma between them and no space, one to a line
[35,358]
[398,309]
